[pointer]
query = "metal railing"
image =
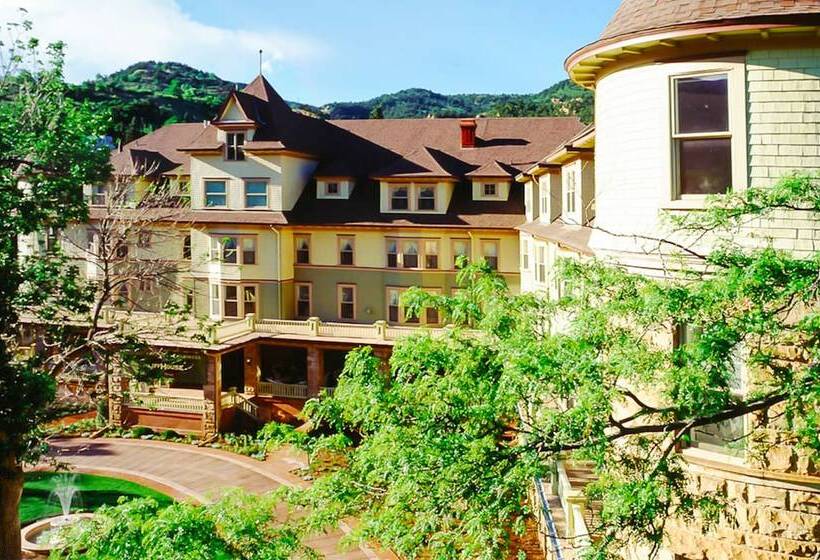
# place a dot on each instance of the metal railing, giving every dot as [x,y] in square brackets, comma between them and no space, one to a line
[550,540]
[165,402]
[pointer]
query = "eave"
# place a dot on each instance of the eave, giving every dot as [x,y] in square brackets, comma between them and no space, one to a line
[588,64]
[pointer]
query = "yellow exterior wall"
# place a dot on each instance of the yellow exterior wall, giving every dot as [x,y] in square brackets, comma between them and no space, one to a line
[444,192]
[286,176]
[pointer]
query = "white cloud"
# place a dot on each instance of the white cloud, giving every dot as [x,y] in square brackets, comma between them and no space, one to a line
[103,36]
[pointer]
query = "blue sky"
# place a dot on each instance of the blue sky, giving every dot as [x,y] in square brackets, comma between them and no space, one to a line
[317,51]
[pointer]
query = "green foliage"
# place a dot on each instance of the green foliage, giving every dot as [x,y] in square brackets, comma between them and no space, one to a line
[148,95]
[439,449]
[239,526]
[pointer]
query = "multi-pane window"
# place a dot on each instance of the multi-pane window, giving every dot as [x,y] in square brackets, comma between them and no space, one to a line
[99,194]
[346,297]
[540,264]
[396,313]
[248,250]
[431,254]
[525,254]
[186,247]
[427,198]
[302,249]
[544,200]
[727,436]
[490,189]
[399,197]
[702,137]
[231,303]
[571,192]
[332,189]
[410,253]
[249,299]
[346,248]
[461,248]
[227,249]
[216,193]
[256,194]
[303,300]
[489,250]
[233,146]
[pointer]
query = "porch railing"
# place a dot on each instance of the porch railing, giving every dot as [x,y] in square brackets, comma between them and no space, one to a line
[165,402]
[550,540]
[285,390]
[314,327]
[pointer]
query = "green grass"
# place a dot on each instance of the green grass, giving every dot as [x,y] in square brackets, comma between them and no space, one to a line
[94,491]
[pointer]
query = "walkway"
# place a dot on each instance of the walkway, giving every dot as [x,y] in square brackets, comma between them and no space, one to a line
[193,473]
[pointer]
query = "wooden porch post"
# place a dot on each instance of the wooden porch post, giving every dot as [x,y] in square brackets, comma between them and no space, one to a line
[251,365]
[212,392]
[315,370]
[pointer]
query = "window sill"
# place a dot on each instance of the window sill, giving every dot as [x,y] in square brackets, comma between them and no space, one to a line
[689,203]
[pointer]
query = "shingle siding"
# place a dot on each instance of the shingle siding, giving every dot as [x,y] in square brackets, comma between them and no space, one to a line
[784,113]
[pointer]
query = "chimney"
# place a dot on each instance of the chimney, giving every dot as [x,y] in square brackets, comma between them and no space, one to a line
[468,127]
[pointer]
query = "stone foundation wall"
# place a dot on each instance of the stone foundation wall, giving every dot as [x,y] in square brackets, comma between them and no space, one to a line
[764,519]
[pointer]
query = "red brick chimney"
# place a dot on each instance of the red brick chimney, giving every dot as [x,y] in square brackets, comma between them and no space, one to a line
[468,127]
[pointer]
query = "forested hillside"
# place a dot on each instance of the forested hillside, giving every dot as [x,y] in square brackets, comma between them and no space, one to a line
[147,95]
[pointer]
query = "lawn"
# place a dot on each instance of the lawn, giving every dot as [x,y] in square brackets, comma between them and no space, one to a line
[94,491]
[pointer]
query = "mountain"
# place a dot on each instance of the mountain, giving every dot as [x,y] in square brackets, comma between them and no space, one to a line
[147,95]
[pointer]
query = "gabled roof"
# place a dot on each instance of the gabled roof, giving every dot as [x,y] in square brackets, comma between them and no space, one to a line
[493,169]
[645,16]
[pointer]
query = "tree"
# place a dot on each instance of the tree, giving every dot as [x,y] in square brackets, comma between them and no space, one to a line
[377,112]
[49,148]
[440,449]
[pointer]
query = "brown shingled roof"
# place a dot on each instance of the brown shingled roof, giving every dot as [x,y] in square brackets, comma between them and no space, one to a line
[158,152]
[635,17]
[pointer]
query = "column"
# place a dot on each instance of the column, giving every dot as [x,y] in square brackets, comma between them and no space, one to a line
[315,370]
[212,393]
[251,368]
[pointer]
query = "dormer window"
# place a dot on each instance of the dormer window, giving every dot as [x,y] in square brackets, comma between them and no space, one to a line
[399,198]
[332,189]
[427,198]
[233,146]
[490,189]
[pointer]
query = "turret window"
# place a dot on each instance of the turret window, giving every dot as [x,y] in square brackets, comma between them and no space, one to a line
[702,136]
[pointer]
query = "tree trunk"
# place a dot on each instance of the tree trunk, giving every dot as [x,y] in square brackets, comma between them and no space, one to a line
[11,489]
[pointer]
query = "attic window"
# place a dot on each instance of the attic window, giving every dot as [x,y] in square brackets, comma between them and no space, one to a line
[490,189]
[332,189]
[233,146]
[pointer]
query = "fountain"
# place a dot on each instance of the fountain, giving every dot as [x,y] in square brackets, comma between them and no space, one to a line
[45,535]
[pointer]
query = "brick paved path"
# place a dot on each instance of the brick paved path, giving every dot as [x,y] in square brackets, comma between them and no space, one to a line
[193,473]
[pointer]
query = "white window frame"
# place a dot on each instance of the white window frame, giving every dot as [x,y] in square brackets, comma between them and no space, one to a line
[340,241]
[99,195]
[392,189]
[340,301]
[402,244]
[247,196]
[217,248]
[401,316]
[418,198]
[485,243]
[296,239]
[205,193]
[309,301]
[231,143]
[468,246]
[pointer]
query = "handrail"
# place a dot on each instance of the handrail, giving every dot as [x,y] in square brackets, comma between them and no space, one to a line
[546,512]
[232,399]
